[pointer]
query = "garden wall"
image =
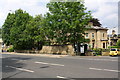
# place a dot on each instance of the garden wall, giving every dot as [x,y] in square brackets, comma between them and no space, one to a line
[105,53]
[65,50]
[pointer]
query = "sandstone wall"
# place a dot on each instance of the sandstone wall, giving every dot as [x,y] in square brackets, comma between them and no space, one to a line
[65,50]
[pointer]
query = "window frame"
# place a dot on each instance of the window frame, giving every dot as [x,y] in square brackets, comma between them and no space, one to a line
[93,35]
[86,35]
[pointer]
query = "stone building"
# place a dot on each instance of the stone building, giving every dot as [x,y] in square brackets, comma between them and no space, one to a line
[97,37]
[113,38]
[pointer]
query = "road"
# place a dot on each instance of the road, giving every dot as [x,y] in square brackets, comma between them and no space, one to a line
[68,67]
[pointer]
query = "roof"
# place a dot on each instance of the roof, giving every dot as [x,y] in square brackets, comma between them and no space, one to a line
[97,28]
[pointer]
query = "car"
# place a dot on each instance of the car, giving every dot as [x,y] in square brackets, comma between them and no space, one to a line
[114,52]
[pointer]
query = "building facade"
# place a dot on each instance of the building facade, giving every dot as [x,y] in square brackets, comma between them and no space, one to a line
[97,37]
[113,38]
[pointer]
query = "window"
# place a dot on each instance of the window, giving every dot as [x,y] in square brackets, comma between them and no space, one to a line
[118,50]
[92,45]
[103,45]
[103,35]
[86,35]
[92,35]
[113,49]
[106,44]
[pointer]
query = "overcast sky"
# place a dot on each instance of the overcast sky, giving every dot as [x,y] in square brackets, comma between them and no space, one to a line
[105,10]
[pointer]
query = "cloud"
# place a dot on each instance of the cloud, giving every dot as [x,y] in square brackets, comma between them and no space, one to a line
[111,29]
[33,7]
[92,5]
[105,10]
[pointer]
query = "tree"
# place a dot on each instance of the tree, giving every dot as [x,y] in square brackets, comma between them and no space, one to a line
[8,24]
[17,36]
[95,22]
[13,28]
[33,32]
[22,30]
[0,33]
[65,22]
[118,43]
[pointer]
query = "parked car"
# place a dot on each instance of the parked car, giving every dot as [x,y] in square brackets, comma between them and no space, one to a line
[114,52]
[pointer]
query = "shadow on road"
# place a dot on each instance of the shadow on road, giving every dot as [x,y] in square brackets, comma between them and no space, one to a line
[45,67]
[12,61]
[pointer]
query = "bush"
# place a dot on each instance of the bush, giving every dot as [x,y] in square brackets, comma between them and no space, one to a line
[114,47]
[98,51]
[118,43]
[10,49]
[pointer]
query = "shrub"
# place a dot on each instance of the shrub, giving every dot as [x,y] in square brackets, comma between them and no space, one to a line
[10,49]
[97,51]
[114,47]
[118,43]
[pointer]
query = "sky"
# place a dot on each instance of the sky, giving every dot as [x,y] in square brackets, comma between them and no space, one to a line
[105,10]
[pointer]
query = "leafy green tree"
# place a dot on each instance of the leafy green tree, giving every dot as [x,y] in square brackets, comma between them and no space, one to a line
[0,32]
[118,43]
[8,24]
[17,31]
[33,32]
[22,30]
[65,22]
[13,28]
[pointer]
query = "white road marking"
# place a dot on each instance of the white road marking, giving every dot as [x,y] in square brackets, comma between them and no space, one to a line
[95,68]
[21,69]
[95,59]
[65,78]
[61,77]
[49,63]
[104,69]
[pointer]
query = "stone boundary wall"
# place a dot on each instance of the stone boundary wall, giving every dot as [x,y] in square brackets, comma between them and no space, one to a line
[105,53]
[65,50]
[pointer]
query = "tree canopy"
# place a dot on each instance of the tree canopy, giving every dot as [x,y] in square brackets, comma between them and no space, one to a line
[0,32]
[65,22]
[118,43]
[21,30]
[8,24]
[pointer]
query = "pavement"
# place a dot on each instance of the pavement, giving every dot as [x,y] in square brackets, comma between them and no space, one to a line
[43,55]
[17,65]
